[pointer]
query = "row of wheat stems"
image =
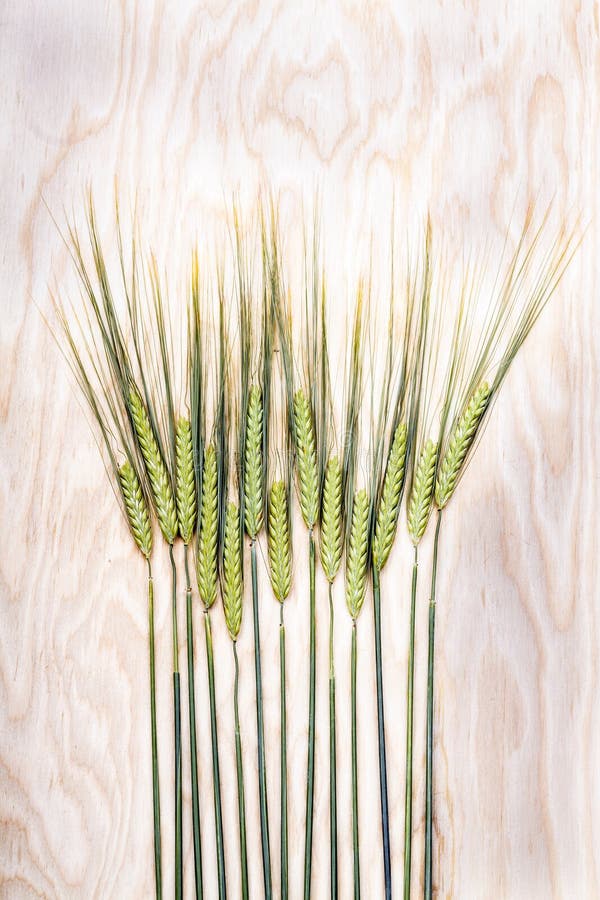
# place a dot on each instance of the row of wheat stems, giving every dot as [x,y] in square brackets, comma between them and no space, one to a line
[214,456]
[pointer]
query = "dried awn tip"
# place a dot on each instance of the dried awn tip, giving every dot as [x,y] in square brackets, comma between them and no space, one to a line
[280,553]
[419,505]
[185,485]
[306,457]
[253,464]
[136,508]
[232,571]
[459,444]
[393,482]
[358,552]
[331,519]
[206,562]
[160,485]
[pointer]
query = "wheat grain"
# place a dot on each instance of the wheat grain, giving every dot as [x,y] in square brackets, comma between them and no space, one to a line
[459,444]
[358,552]
[253,464]
[419,505]
[136,508]
[185,486]
[331,536]
[280,553]
[232,571]
[393,482]
[306,457]
[206,562]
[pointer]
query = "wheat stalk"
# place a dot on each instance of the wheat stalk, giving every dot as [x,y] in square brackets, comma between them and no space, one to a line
[185,483]
[393,482]
[331,531]
[461,440]
[206,562]
[419,505]
[136,508]
[280,553]
[306,459]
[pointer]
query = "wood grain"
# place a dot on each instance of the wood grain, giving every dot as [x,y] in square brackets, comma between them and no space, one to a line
[460,108]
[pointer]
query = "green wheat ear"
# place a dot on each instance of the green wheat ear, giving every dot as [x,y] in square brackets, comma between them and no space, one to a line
[160,485]
[280,553]
[185,484]
[358,551]
[253,464]
[393,482]
[136,508]
[206,562]
[306,457]
[331,519]
[419,505]
[232,571]
[460,441]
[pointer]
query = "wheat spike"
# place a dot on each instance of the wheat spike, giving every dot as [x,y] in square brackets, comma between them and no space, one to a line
[136,508]
[253,464]
[185,484]
[419,505]
[160,485]
[280,553]
[393,482]
[331,519]
[358,551]
[460,441]
[206,562]
[306,457]
[232,588]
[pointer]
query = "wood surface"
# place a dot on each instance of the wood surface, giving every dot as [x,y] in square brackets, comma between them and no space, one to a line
[461,109]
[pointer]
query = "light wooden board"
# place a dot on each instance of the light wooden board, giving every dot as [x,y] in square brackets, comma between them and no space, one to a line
[461,108]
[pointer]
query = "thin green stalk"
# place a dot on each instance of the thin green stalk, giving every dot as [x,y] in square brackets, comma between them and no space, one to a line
[383,788]
[155,780]
[332,761]
[409,733]
[215,758]
[240,777]
[177,713]
[283,761]
[310,769]
[428,880]
[192,721]
[262,771]
[355,846]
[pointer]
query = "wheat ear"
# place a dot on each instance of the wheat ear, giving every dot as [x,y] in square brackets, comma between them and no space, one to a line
[280,553]
[253,464]
[419,505]
[459,444]
[358,552]
[232,571]
[393,482]
[331,536]
[185,484]
[136,508]
[206,563]
[306,457]
[160,484]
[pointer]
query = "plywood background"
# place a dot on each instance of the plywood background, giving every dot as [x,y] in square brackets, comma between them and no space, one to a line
[460,108]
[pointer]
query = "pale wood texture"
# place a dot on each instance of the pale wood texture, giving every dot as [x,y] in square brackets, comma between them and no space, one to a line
[461,107]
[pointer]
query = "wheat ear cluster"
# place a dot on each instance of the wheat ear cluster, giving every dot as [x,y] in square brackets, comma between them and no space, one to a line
[232,586]
[253,467]
[136,508]
[306,459]
[206,562]
[331,537]
[393,482]
[160,484]
[419,505]
[358,554]
[459,444]
[185,484]
[280,551]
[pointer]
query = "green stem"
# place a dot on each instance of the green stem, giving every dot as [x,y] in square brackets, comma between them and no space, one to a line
[409,733]
[155,779]
[428,880]
[177,713]
[332,761]
[283,761]
[383,788]
[210,663]
[262,771]
[240,778]
[310,768]
[355,846]
[192,721]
